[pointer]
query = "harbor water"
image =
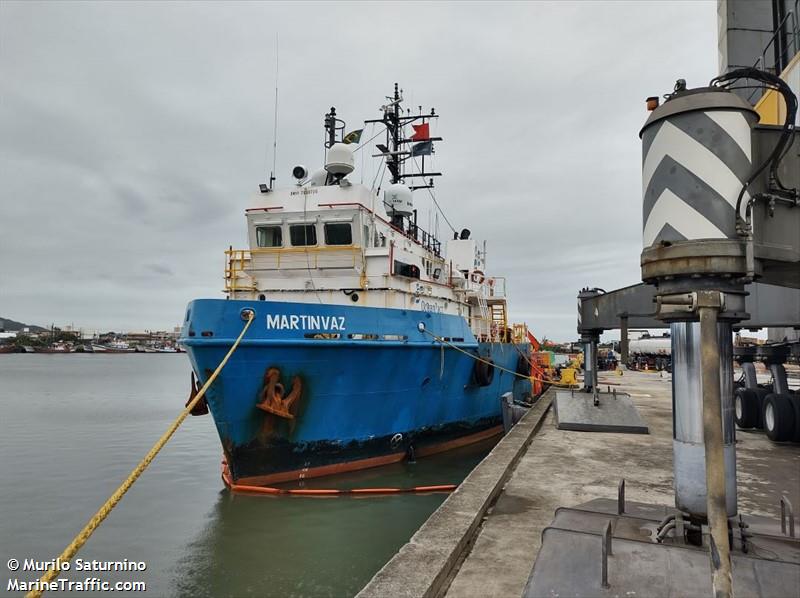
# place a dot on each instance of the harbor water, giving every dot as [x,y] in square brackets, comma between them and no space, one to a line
[73,427]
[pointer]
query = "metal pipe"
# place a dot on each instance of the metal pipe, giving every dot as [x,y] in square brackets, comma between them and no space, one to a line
[588,365]
[595,391]
[664,531]
[605,552]
[786,507]
[623,340]
[721,580]
[666,520]
[687,413]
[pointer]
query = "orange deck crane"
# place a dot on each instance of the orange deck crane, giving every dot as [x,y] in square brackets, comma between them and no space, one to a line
[538,365]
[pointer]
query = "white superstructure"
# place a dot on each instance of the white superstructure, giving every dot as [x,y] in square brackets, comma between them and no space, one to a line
[335,244]
[328,240]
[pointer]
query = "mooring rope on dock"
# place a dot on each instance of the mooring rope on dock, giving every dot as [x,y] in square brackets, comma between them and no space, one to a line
[491,363]
[116,497]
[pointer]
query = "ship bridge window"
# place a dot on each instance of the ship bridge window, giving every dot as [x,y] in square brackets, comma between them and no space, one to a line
[338,233]
[408,270]
[303,234]
[269,236]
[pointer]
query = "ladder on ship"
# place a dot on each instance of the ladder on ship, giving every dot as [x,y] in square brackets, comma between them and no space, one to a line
[481,324]
[499,319]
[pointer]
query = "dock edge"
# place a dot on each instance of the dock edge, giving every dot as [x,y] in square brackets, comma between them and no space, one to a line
[426,565]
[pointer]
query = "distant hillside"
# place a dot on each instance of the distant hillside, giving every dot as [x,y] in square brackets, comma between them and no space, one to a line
[12,326]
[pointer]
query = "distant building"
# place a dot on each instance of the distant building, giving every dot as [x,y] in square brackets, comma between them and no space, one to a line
[80,333]
[151,336]
[741,340]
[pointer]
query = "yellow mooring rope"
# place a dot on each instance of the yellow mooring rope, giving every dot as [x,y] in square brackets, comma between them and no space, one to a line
[114,499]
[439,339]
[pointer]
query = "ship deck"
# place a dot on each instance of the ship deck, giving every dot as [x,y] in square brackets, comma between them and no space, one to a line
[484,539]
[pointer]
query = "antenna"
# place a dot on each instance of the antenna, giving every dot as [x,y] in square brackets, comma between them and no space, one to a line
[275,121]
[394,119]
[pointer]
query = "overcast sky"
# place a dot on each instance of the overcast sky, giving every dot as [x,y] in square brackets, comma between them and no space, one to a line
[132,137]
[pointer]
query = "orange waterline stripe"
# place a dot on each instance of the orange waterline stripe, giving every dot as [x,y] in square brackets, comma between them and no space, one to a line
[328,491]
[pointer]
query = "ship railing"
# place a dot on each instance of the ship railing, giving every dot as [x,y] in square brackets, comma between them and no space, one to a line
[242,264]
[519,333]
[488,331]
[481,327]
[424,238]
[495,287]
[786,38]
[413,232]
[237,262]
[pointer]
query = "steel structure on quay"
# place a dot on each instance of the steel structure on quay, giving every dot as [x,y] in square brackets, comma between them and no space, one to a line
[721,228]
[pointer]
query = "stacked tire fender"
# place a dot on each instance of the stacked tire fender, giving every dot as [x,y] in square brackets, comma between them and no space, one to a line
[777,414]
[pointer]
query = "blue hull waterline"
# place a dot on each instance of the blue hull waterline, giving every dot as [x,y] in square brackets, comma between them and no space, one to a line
[372,338]
[363,384]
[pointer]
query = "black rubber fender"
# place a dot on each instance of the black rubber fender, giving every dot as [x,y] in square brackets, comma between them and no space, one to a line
[779,417]
[746,408]
[484,371]
[762,394]
[795,400]
[523,366]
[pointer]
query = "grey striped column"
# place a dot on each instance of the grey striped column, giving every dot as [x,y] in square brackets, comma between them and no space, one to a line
[695,158]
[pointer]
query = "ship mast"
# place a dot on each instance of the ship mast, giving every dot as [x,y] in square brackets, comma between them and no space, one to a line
[396,152]
[332,126]
[393,151]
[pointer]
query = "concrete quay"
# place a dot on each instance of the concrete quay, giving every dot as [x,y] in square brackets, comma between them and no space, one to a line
[483,540]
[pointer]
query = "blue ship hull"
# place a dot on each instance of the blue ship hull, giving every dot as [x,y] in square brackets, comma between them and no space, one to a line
[366,385]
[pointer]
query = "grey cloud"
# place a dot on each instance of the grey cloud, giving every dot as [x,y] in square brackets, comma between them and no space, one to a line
[160,269]
[133,135]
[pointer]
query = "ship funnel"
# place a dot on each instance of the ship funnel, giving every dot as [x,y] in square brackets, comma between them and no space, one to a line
[340,159]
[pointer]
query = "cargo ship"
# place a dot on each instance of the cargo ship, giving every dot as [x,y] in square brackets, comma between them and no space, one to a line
[372,341]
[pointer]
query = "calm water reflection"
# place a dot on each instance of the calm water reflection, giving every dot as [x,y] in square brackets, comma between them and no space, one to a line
[73,426]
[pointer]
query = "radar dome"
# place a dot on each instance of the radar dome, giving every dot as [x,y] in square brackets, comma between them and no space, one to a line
[340,159]
[399,198]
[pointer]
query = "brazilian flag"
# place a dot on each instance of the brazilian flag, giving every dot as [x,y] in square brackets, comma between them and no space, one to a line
[353,136]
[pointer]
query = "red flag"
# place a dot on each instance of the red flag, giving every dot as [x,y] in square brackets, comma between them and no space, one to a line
[421,132]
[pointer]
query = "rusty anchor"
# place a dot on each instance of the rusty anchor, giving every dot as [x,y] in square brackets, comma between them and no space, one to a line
[272,395]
